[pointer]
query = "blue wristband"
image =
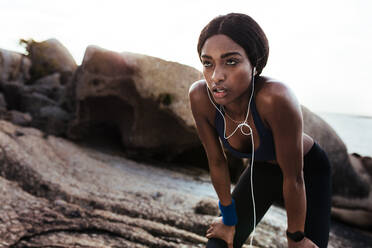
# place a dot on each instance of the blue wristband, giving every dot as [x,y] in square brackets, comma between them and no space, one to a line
[229,217]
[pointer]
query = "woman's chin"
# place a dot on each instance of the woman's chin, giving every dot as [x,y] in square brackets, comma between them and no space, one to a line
[220,98]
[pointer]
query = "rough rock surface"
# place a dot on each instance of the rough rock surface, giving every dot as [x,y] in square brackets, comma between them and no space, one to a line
[324,134]
[57,193]
[356,211]
[42,103]
[14,66]
[48,57]
[144,98]
[207,206]
[58,187]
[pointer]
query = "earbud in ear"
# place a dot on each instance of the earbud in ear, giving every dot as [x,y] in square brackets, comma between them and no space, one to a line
[254,71]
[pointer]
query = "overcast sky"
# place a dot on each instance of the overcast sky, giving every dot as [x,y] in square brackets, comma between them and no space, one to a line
[321,49]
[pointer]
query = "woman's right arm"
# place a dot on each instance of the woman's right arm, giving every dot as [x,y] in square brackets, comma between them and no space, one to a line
[203,112]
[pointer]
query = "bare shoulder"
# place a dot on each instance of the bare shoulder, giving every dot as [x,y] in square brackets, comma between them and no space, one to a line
[200,102]
[271,90]
[197,89]
[274,96]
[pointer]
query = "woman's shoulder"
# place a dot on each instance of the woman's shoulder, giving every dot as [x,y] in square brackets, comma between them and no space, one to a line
[199,100]
[270,88]
[197,88]
[273,95]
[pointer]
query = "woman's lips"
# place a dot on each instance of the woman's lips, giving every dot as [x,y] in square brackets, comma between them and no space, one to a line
[219,93]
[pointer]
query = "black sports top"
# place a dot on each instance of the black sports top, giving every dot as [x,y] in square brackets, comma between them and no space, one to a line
[266,149]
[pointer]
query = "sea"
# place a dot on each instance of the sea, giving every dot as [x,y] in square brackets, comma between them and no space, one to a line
[354,130]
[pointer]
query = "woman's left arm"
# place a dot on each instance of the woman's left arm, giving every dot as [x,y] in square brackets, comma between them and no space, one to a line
[285,119]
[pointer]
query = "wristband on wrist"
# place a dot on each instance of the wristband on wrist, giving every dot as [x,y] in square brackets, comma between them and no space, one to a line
[229,217]
[296,236]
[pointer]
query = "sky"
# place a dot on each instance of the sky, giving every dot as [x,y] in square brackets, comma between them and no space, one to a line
[321,49]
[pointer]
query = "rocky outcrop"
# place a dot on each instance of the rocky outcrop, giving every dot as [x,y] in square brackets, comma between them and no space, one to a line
[58,193]
[48,57]
[53,190]
[14,66]
[41,103]
[144,98]
[324,134]
[142,102]
[356,210]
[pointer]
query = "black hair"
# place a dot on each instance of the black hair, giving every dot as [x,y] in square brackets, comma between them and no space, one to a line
[243,30]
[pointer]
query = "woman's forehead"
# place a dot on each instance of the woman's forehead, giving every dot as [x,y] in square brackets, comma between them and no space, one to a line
[220,44]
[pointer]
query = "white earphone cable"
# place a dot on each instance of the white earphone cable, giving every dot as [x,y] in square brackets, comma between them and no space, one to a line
[241,125]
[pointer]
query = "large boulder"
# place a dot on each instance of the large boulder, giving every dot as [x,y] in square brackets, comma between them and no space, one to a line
[3,104]
[13,66]
[146,99]
[49,57]
[37,105]
[345,180]
[356,210]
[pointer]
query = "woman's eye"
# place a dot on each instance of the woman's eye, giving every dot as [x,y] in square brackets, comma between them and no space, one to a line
[231,62]
[206,63]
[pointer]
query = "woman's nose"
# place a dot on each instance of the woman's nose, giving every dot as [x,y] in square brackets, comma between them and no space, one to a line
[218,75]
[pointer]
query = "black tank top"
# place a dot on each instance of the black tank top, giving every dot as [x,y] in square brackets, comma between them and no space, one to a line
[266,149]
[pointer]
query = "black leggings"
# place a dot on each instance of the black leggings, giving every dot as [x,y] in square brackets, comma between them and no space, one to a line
[268,188]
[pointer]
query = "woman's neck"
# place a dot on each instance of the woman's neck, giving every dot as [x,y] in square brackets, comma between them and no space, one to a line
[237,109]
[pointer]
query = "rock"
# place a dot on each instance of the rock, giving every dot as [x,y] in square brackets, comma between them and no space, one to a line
[93,201]
[145,98]
[49,86]
[46,115]
[357,210]
[367,163]
[16,117]
[207,206]
[55,120]
[13,66]
[34,102]
[13,92]
[2,102]
[49,57]
[336,150]
[57,193]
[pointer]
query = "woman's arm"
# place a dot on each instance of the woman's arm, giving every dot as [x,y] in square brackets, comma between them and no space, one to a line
[203,116]
[201,110]
[285,119]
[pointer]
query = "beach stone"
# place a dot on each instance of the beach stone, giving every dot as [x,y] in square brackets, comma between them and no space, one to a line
[207,206]
[16,117]
[31,106]
[54,120]
[357,210]
[13,66]
[145,98]
[2,102]
[49,86]
[367,163]
[49,57]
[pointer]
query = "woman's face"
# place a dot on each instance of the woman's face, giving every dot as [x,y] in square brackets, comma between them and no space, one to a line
[226,68]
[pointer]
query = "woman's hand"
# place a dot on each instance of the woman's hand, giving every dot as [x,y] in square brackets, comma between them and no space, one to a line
[219,230]
[305,243]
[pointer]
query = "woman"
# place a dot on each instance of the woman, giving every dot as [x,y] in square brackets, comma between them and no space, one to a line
[249,112]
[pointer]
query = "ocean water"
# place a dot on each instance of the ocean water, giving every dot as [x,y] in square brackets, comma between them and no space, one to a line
[355,131]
